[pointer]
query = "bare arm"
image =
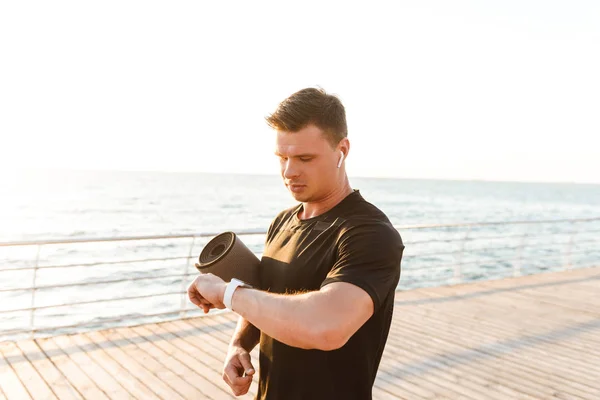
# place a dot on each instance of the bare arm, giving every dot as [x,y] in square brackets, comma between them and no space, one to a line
[245,336]
[323,319]
[238,369]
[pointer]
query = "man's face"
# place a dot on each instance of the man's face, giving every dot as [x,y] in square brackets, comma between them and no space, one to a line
[308,163]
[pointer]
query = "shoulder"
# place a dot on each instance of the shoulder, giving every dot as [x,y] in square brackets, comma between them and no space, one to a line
[371,235]
[356,207]
[367,221]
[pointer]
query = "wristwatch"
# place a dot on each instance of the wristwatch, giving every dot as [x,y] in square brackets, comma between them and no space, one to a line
[230,289]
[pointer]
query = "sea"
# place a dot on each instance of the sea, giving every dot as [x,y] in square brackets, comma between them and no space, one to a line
[453,231]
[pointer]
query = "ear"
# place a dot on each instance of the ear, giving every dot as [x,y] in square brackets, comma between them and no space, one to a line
[344,147]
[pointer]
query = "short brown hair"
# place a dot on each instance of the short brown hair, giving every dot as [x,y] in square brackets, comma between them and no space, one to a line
[311,106]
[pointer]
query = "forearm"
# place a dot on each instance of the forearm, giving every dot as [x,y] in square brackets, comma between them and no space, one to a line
[290,319]
[246,335]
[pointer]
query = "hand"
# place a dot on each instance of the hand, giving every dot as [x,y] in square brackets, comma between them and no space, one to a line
[237,363]
[207,292]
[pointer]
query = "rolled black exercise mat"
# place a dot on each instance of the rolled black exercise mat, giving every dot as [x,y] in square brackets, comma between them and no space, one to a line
[227,257]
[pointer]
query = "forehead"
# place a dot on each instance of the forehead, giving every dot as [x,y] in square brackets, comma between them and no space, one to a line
[308,140]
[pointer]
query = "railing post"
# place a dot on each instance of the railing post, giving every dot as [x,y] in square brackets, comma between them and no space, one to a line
[184,281]
[458,268]
[568,265]
[33,289]
[519,263]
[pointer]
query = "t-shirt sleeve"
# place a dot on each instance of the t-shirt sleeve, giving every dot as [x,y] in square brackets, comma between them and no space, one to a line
[369,257]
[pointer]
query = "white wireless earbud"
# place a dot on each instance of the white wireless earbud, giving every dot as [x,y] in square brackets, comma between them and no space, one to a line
[341,159]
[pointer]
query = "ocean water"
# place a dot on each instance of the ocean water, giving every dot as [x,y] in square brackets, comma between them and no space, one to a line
[77,204]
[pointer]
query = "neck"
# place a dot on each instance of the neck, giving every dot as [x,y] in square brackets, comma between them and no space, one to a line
[316,208]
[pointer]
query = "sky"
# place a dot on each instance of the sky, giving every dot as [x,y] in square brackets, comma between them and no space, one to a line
[503,90]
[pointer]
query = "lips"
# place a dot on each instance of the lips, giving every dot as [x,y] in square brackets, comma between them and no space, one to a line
[295,187]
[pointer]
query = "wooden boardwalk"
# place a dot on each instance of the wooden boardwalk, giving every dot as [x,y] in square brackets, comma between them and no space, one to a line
[535,337]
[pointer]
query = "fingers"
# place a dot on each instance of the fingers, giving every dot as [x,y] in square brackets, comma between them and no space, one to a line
[238,384]
[206,292]
[196,298]
[230,373]
[207,307]
[194,295]
[241,388]
[205,304]
[247,363]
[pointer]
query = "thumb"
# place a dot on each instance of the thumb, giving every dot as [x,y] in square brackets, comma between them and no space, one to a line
[247,363]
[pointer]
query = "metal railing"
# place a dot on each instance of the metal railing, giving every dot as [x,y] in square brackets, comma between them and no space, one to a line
[457,256]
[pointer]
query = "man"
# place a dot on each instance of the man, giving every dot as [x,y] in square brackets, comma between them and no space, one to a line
[328,272]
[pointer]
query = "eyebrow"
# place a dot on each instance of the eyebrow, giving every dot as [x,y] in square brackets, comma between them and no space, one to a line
[297,155]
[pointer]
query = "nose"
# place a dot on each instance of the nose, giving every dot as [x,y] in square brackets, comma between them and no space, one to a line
[289,169]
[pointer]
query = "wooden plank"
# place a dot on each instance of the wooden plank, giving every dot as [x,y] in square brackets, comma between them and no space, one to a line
[212,350]
[10,384]
[445,328]
[586,288]
[184,379]
[152,359]
[442,385]
[502,319]
[469,314]
[59,384]
[29,377]
[101,378]
[462,342]
[448,357]
[70,370]
[441,381]
[207,347]
[411,360]
[520,325]
[565,302]
[139,364]
[380,394]
[557,335]
[589,287]
[211,381]
[135,387]
[522,312]
[536,344]
[392,389]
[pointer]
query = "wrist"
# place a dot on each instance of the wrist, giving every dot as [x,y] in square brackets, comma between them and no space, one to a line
[236,295]
[242,344]
[230,290]
[235,345]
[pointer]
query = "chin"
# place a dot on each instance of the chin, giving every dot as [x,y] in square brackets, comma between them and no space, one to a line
[301,197]
[298,197]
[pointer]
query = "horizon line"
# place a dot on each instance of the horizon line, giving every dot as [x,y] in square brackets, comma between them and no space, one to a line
[275,174]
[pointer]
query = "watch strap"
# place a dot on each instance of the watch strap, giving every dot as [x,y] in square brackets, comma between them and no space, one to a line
[230,290]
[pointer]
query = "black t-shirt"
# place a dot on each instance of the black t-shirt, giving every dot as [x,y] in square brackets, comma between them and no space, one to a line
[353,242]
